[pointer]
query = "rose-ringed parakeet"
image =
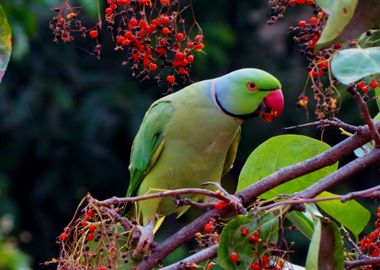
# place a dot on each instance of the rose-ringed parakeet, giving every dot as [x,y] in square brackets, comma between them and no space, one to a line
[191,136]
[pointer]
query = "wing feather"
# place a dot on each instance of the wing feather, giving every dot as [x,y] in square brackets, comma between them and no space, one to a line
[148,143]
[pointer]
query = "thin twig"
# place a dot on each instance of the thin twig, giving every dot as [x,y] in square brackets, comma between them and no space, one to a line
[198,257]
[168,193]
[365,115]
[326,123]
[373,192]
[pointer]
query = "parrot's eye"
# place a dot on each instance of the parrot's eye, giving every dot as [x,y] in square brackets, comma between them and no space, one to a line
[252,86]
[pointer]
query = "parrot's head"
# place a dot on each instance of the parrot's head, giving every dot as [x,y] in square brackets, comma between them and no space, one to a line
[248,92]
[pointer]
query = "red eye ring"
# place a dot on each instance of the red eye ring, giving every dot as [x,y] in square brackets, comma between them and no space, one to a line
[251,86]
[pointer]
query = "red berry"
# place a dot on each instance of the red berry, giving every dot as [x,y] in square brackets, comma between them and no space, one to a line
[120,39]
[90,237]
[190,58]
[190,44]
[337,45]
[292,3]
[93,34]
[374,84]
[302,23]
[61,20]
[210,265]
[165,31]
[309,2]
[365,89]
[234,257]
[180,36]
[208,228]
[152,67]
[109,11]
[314,20]
[102,267]
[170,79]
[133,22]
[92,228]
[123,2]
[165,20]
[198,38]
[182,71]
[255,266]
[300,2]
[244,231]
[146,61]
[220,205]
[199,46]
[113,7]
[126,42]
[361,84]
[63,236]
[254,238]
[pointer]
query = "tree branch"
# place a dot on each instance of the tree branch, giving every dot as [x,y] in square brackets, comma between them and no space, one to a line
[249,194]
[198,257]
[362,262]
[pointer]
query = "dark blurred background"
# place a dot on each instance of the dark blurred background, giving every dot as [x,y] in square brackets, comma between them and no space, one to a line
[67,120]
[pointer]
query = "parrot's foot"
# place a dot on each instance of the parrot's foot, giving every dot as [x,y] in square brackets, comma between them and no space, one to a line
[145,240]
[233,200]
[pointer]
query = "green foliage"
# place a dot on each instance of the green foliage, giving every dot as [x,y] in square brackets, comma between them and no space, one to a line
[279,152]
[5,43]
[352,65]
[232,239]
[326,247]
[11,258]
[340,14]
[303,223]
[351,214]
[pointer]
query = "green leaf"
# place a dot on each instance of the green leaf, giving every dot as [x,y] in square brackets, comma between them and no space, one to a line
[279,152]
[232,240]
[340,13]
[351,65]
[326,247]
[377,93]
[351,214]
[368,147]
[5,43]
[303,223]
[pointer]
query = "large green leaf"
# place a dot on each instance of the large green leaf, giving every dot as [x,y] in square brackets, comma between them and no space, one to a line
[302,221]
[351,65]
[232,239]
[326,247]
[279,152]
[340,13]
[351,214]
[5,43]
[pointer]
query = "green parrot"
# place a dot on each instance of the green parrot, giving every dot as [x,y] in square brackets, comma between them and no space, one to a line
[191,136]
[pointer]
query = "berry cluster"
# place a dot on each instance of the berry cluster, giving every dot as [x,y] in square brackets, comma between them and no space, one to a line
[211,235]
[278,7]
[95,240]
[370,244]
[261,252]
[151,34]
[365,87]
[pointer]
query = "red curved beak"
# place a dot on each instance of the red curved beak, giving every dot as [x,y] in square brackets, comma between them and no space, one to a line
[273,106]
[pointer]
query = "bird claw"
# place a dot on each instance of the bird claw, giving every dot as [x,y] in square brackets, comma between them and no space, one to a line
[233,200]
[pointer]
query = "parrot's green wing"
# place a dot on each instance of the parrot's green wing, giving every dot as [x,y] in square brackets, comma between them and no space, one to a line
[148,143]
[231,154]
